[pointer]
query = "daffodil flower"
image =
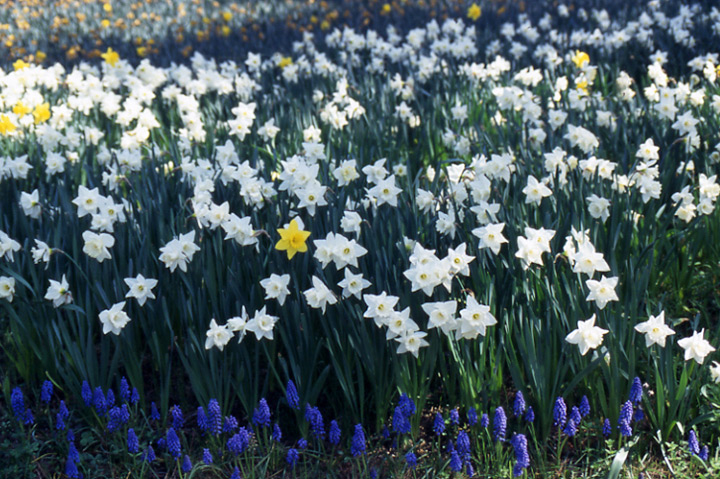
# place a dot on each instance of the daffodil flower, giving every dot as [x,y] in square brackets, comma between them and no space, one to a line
[292,239]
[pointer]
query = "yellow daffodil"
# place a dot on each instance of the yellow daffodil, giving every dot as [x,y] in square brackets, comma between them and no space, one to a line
[21,110]
[227,16]
[292,239]
[111,57]
[582,85]
[474,12]
[41,113]
[285,61]
[386,9]
[6,125]
[580,59]
[20,64]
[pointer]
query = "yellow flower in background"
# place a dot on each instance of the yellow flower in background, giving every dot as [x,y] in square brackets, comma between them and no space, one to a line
[6,125]
[21,110]
[107,7]
[474,12]
[20,64]
[142,51]
[41,113]
[580,59]
[285,61]
[40,56]
[227,16]
[111,57]
[105,23]
[292,239]
[386,9]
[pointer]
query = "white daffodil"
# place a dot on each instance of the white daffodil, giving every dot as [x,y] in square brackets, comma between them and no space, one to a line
[140,288]
[655,330]
[587,336]
[114,319]
[696,347]
[217,336]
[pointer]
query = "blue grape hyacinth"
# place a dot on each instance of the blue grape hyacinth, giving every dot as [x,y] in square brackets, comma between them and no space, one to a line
[704,453]
[292,457]
[292,395]
[693,443]
[456,463]
[334,433]
[438,424]
[154,413]
[570,427]
[357,447]
[499,424]
[519,404]
[607,428]
[560,412]
[584,406]
[454,417]
[400,423]
[202,420]
[86,393]
[173,443]
[215,417]
[276,433]
[17,402]
[522,458]
[133,444]
[530,414]
[463,444]
[407,405]
[411,460]
[317,425]
[46,391]
[484,420]
[626,414]
[636,391]
[239,442]
[187,464]
[61,416]
[124,389]
[472,416]
[177,417]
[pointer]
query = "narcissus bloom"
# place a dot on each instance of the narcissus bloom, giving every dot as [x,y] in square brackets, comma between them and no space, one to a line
[217,336]
[6,125]
[587,336]
[96,245]
[292,239]
[580,59]
[140,288]
[114,319]
[696,347]
[603,291]
[474,12]
[111,57]
[41,113]
[7,288]
[655,330]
